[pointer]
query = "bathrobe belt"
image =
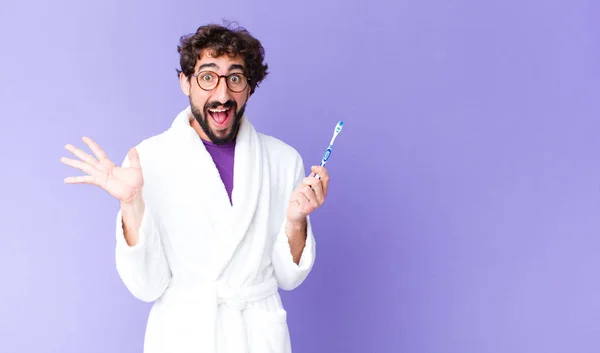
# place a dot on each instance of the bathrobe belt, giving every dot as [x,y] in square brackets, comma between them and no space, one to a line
[201,322]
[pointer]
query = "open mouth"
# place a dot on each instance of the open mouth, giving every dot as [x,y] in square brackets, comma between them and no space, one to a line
[220,115]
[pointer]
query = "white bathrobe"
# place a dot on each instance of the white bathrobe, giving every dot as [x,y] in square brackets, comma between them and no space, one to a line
[213,269]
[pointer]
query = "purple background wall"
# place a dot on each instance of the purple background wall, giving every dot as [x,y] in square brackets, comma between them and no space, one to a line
[463,216]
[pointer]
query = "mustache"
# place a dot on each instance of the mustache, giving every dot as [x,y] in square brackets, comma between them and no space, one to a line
[214,105]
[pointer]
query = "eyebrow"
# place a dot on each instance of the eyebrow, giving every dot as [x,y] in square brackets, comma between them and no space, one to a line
[213,65]
[236,66]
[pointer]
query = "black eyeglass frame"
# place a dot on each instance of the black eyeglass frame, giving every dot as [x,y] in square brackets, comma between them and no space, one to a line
[219,77]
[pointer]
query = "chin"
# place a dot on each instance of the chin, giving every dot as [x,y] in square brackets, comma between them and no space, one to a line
[221,132]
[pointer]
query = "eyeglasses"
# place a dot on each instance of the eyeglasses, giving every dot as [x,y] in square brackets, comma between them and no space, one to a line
[208,80]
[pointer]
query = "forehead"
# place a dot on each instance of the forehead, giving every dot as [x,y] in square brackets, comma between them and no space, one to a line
[223,63]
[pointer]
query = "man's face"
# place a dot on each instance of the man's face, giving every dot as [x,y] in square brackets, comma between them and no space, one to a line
[218,112]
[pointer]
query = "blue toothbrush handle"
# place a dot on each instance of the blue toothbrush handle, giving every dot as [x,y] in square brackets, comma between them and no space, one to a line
[338,129]
[324,160]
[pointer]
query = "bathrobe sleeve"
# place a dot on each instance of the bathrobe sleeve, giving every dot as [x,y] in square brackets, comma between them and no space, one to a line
[143,268]
[289,274]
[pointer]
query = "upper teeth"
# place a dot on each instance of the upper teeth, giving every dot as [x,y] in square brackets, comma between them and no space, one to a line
[218,110]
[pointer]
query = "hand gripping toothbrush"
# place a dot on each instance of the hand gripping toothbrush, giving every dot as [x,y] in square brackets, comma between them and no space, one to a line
[338,129]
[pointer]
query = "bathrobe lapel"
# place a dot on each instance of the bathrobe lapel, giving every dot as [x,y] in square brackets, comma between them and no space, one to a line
[248,190]
[205,192]
[230,222]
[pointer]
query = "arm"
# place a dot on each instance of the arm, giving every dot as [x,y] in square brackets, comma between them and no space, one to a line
[294,250]
[140,259]
[296,233]
[290,273]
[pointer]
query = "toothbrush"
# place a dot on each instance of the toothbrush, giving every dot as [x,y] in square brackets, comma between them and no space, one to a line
[338,129]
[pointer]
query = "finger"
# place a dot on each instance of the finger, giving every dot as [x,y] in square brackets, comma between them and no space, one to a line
[84,167]
[323,176]
[98,152]
[316,186]
[302,200]
[322,171]
[82,155]
[310,195]
[85,179]
[134,158]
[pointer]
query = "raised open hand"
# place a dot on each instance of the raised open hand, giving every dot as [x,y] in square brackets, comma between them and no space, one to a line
[123,183]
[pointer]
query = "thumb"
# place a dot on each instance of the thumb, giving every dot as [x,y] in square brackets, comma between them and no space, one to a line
[134,158]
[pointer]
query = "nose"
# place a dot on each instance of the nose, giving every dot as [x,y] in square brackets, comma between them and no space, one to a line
[221,92]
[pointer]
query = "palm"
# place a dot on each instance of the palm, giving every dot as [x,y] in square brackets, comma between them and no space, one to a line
[123,183]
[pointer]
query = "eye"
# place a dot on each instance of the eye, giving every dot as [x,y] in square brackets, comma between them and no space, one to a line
[207,77]
[235,78]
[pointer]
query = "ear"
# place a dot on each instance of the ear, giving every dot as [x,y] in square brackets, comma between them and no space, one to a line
[185,83]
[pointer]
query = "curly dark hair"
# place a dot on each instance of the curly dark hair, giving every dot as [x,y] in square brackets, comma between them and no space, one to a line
[230,39]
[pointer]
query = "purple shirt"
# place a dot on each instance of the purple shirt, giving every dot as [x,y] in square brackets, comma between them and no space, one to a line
[223,157]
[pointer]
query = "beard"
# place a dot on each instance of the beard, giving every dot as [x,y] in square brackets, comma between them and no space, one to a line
[201,116]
